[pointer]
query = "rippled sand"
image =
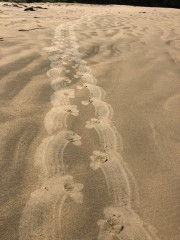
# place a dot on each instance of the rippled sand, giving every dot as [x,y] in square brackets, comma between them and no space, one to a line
[89,123]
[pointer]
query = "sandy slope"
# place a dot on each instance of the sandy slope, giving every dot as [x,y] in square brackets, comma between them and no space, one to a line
[94,141]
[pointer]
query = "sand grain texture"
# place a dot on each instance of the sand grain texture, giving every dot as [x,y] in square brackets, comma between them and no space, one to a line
[89,123]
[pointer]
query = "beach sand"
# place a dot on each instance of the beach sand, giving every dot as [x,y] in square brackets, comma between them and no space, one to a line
[89,123]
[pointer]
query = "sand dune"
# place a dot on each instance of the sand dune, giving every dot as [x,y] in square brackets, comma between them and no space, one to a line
[89,123]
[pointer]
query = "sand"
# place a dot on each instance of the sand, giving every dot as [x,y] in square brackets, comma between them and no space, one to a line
[89,123]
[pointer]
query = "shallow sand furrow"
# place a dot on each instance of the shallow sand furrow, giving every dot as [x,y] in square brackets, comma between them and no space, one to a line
[19,54]
[109,138]
[20,63]
[89,78]
[60,83]
[55,72]
[41,216]
[56,118]
[95,91]
[14,151]
[102,109]
[49,155]
[84,69]
[62,97]
[134,197]
[19,80]
[116,178]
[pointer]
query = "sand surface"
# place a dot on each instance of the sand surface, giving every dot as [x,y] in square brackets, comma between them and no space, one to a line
[89,123]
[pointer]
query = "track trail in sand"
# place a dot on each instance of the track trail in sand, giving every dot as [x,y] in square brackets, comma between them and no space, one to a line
[69,67]
[120,219]
[41,218]
[89,126]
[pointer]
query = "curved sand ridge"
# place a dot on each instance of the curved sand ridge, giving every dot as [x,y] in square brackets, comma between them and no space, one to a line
[121,221]
[49,155]
[56,118]
[102,109]
[41,218]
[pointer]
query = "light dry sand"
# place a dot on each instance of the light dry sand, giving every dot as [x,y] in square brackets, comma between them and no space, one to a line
[89,123]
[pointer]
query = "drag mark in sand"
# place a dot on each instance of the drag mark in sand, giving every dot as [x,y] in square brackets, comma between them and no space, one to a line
[120,220]
[41,217]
